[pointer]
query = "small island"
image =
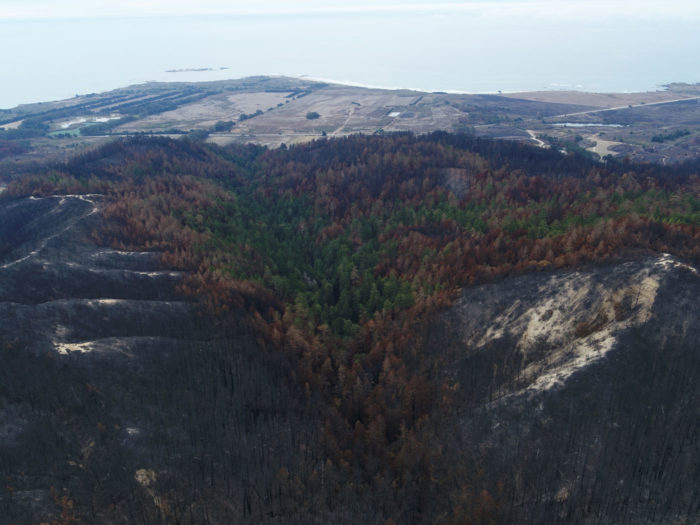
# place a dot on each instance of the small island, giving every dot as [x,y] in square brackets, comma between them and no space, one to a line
[195,69]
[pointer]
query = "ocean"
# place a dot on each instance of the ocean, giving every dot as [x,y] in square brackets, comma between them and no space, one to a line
[54,59]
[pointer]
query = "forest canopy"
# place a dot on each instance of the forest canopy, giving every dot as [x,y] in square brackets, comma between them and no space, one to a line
[340,250]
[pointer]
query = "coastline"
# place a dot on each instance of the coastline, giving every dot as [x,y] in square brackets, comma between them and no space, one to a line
[204,75]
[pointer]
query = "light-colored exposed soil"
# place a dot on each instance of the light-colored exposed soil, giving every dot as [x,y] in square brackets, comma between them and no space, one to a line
[12,125]
[578,317]
[539,142]
[603,147]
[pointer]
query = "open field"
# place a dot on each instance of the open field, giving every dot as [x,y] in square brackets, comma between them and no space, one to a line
[206,112]
[661,126]
[600,100]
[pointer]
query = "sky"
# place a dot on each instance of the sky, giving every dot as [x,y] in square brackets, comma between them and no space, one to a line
[552,9]
[55,49]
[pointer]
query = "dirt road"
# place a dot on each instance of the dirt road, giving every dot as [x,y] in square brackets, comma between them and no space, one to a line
[540,143]
[340,128]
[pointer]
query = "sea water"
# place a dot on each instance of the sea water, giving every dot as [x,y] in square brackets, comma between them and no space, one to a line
[54,59]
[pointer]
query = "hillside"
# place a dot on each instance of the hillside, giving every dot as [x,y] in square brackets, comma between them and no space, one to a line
[434,329]
[117,398]
[589,413]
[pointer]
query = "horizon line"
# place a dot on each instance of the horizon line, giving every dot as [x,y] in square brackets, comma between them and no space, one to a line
[546,9]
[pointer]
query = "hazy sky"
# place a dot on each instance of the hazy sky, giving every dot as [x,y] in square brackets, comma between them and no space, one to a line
[566,9]
[58,48]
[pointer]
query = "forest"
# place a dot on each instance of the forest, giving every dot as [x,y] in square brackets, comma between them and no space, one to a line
[339,252]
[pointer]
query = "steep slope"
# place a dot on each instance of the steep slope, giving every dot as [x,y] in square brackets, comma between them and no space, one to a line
[116,396]
[55,285]
[579,390]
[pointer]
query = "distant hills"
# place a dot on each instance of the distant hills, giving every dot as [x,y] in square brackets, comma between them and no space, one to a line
[661,126]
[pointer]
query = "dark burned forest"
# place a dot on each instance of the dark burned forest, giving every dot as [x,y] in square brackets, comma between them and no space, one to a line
[325,263]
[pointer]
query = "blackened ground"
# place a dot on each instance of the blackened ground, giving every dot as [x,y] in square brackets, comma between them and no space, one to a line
[119,402]
[579,392]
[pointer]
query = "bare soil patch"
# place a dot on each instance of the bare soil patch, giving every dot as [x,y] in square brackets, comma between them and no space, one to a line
[12,125]
[603,147]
